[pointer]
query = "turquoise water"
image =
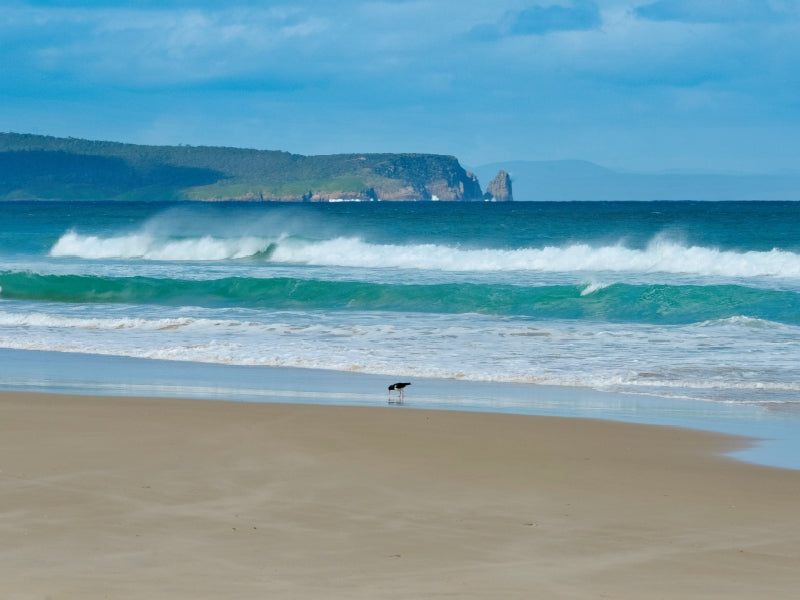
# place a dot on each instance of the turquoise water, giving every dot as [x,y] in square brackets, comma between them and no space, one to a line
[694,302]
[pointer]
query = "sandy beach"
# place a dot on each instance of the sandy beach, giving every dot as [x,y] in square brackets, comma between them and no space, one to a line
[142,498]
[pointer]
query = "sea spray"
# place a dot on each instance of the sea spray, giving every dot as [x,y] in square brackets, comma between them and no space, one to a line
[353,252]
[147,247]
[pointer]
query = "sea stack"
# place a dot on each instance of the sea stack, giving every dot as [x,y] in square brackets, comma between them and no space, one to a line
[499,189]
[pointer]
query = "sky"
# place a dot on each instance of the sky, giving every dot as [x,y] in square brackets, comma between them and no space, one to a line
[636,85]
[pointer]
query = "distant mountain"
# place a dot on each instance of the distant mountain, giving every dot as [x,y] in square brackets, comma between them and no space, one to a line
[582,180]
[43,167]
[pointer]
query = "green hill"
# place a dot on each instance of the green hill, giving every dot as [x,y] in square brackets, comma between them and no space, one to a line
[43,167]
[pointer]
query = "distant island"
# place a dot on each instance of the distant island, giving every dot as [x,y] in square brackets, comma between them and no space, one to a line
[35,167]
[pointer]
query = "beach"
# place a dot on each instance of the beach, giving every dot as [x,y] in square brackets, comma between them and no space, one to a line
[140,498]
[604,400]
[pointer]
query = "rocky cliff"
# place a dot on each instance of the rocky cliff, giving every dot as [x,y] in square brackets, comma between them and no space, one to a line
[499,189]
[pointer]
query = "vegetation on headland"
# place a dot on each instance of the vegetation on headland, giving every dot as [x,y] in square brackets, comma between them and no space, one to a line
[44,167]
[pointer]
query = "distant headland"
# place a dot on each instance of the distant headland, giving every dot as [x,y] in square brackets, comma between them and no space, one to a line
[35,167]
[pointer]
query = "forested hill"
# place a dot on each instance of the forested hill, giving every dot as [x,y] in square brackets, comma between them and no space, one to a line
[43,167]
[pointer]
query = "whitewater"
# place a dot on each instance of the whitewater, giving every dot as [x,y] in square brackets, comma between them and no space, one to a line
[692,301]
[659,255]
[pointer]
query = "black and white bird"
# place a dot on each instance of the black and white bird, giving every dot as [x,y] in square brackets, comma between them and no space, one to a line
[399,387]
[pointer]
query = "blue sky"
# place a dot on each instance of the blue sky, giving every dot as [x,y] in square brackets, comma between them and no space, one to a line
[629,84]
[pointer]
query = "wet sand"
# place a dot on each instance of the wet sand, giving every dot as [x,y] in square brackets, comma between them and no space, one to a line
[142,498]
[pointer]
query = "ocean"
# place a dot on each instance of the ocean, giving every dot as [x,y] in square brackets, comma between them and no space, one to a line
[692,304]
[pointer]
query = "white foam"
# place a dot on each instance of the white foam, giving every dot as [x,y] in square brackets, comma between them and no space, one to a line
[624,357]
[657,257]
[738,321]
[593,287]
[53,322]
[660,256]
[148,247]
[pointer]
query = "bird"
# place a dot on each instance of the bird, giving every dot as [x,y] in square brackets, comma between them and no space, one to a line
[399,387]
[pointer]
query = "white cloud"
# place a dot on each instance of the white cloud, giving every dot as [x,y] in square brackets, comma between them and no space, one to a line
[163,46]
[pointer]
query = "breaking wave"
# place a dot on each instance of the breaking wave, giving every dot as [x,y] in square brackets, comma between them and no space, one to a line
[658,257]
[148,247]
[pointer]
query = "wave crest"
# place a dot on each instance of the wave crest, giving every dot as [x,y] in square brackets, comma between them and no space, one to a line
[146,246]
[658,257]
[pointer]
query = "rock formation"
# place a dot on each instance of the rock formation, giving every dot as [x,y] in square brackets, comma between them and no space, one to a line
[499,189]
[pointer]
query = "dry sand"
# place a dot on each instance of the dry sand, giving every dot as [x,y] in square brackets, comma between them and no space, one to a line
[152,499]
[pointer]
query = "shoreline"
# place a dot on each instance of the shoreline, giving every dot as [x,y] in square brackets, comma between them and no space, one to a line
[130,498]
[775,436]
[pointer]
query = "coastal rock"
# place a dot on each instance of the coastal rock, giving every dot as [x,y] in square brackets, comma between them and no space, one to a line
[470,187]
[423,177]
[499,189]
[459,186]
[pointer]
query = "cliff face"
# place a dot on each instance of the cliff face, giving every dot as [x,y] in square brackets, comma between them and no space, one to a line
[499,189]
[422,177]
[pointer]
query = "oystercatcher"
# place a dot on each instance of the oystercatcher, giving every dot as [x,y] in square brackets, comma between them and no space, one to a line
[399,387]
